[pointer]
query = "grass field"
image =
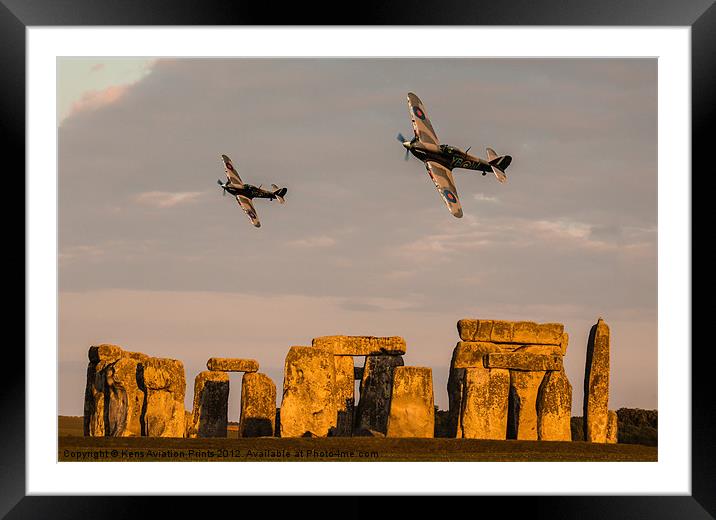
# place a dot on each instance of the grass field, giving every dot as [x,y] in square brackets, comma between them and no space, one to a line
[74,447]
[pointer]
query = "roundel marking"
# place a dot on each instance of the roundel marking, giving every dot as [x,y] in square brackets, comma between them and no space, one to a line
[449,195]
[419,113]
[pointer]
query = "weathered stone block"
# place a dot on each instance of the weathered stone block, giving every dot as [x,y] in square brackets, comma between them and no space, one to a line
[524,332]
[554,407]
[549,334]
[114,393]
[468,354]
[344,395]
[375,391]
[519,332]
[545,350]
[564,344]
[612,427]
[308,403]
[596,383]
[105,352]
[232,365]
[210,411]
[474,330]
[522,408]
[524,361]
[361,345]
[502,331]
[126,399]
[412,408]
[165,386]
[484,404]
[258,405]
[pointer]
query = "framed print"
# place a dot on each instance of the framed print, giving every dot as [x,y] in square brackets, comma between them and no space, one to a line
[335,313]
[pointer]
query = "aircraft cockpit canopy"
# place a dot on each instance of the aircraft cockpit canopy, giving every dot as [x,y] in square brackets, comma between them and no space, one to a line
[446,148]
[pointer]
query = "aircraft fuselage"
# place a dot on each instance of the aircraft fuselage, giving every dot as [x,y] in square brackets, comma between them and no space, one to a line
[448,156]
[248,191]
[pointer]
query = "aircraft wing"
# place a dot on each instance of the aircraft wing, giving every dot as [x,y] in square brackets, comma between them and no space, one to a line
[422,126]
[249,209]
[442,177]
[231,172]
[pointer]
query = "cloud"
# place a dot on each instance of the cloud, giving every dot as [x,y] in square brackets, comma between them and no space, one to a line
[521,232]
[97,67]
[320,241]
[95,99]
[166,199]
[485,198]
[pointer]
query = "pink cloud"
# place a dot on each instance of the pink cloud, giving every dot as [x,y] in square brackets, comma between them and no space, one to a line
[97,67]
[99,98]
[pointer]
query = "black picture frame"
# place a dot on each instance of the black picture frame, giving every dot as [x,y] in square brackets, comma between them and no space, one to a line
[699,15]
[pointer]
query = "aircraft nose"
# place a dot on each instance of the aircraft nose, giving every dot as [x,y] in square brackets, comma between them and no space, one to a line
[406,144]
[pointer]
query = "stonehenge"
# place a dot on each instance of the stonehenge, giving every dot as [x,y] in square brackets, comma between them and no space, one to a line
[360,345]
[412,410]
[376,388]
[506,381]
[308,407]
[554,407]
[258,406]
[129,394]
[501,385]
[596,384]
[210,411]
[165,387]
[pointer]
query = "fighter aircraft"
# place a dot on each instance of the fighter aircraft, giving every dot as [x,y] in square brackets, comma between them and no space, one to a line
[441,159]
[245,192]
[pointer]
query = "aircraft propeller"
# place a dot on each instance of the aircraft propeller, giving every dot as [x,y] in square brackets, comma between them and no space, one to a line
[223,192]
[400,137]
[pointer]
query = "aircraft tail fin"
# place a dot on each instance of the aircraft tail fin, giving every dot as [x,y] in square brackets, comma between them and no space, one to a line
[499,164]
[498,173]
[280,193]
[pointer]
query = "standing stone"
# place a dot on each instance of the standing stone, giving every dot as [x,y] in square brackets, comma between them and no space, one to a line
[375,391]
[165,386]
[126,399]
[484,404]
[464,355]
[412,407]
[100,357]
[596,383]
[345,400]
[210,412]
[612,427]
[258,406]
[522,409]
[308,405]
[554,407]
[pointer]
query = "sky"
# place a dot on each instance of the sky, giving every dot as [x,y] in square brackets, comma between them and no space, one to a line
[153,258]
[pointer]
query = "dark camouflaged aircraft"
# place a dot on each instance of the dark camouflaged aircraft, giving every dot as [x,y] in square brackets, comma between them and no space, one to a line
[441,159]
[245,192]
